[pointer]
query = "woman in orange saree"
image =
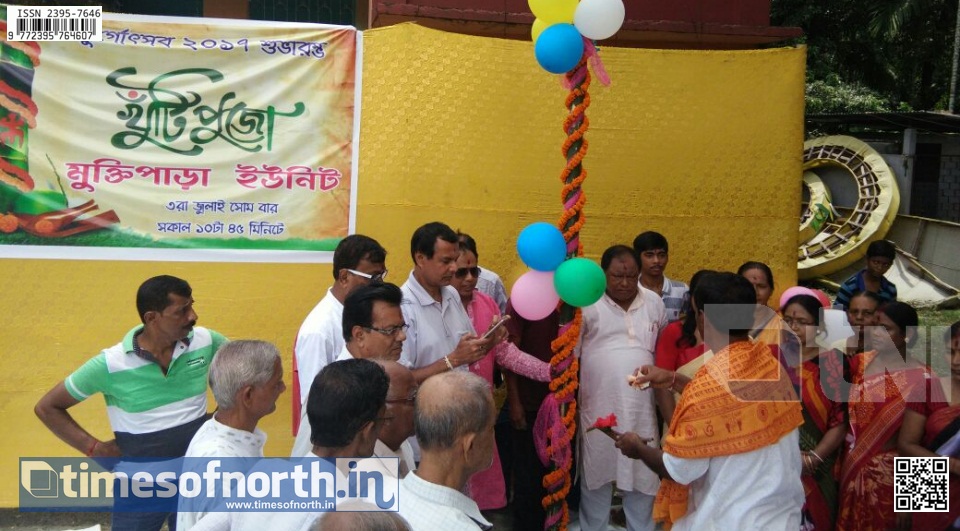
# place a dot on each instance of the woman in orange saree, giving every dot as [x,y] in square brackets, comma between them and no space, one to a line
[935,436]
[885,381]
[823,391]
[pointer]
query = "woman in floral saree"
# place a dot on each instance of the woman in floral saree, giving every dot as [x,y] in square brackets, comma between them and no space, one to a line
[885,381]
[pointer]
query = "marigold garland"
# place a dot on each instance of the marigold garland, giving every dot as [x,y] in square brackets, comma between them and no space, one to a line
[564,365]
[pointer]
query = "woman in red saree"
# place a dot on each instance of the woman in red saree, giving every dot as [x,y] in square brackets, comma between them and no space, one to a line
[938,435]
[823,391]
[885,381]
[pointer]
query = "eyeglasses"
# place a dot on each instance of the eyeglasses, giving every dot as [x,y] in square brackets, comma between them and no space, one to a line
[462,272]
[409,400]
[789,321]
[375,278]
[392,331]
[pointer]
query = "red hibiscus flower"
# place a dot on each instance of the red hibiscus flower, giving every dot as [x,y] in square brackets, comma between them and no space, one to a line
[606,425]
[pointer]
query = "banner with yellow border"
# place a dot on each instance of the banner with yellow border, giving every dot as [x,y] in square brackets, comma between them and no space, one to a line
[180,139]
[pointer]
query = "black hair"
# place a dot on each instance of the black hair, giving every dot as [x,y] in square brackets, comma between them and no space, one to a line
[343,398]
[867,294]
[616,251]
[954,331]
[358,306]
[809,303]
[904,316]
[354,248]
[739,296]
[650,240]
[757,265]
[882,249]
[424,239]
[467,243]
[688,334]
[154,294]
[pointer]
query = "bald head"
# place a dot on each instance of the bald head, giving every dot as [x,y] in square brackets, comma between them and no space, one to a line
[403,385]
[360,516]
[450,405]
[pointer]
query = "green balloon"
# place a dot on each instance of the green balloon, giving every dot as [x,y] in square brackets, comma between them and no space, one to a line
[580,282]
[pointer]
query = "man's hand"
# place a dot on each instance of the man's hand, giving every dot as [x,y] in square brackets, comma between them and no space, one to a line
[470,349]
[106,449]
[629,444]
[652,375]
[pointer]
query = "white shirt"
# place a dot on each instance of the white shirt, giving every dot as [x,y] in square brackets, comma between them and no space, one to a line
[214,439]
[758,490]
[428,507]
[260,521]
[613,344]
[301,444]
[489,282]
[319,341]
[435,327]
[404,454]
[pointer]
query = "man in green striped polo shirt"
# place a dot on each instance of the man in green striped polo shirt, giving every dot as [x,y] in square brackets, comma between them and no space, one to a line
[154,383]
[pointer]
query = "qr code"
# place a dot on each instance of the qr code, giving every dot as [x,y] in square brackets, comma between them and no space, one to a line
[920,484]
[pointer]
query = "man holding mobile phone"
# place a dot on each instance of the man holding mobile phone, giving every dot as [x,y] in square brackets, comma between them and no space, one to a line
[440,336]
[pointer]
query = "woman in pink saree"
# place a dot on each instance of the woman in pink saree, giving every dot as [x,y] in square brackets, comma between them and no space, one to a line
[487,487]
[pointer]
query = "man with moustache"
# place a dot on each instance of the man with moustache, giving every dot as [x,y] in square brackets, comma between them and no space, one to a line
[372,327]
[618,332]
[440,337]
[154,383]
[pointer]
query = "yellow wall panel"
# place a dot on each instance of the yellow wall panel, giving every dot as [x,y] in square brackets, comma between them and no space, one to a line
[703,146]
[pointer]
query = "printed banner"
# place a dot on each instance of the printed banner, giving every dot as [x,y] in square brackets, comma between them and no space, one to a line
[179,139]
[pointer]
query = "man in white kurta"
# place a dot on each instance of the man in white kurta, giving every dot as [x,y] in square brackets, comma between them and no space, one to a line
[618,335]
[375,329]
[233,432]
[357,260]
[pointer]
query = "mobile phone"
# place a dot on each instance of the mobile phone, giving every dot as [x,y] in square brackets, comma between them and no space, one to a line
[493,328]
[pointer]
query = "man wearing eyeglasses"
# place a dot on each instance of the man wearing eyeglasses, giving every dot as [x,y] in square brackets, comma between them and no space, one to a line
[358,260]
[372,327]
[399,424]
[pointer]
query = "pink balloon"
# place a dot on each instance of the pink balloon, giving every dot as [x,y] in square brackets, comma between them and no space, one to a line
[824,298]
[533,295]
[793,292]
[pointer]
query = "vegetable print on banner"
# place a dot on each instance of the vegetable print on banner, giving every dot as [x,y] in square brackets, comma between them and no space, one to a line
[179,139]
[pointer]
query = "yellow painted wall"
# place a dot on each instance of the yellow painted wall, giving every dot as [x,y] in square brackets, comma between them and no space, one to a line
[701,146]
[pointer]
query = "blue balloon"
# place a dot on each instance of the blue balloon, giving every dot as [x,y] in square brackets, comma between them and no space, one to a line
[541,246]
[559,48]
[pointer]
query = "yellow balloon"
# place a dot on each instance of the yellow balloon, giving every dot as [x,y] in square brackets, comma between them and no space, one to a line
[554,11]
[537,29]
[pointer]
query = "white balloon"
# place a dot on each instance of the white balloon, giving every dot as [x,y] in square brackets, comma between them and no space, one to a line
[599,19]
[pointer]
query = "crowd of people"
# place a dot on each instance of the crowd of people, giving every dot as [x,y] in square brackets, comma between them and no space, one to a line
[729,415]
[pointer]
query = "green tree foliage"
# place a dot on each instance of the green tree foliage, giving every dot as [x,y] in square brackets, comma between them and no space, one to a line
[874,54]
